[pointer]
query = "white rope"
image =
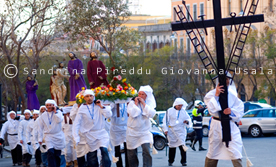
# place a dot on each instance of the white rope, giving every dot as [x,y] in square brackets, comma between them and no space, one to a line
[248,162]
[185,148]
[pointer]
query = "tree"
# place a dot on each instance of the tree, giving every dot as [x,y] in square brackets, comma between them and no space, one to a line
[269,50]
[101,20]
[26,28]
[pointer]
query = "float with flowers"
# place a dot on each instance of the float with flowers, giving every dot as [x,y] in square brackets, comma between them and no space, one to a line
[117,91]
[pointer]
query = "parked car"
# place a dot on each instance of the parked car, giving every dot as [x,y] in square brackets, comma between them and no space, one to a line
[247,106]
[253,105]
[259,121]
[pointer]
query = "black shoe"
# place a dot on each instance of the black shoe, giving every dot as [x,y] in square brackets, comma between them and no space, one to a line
[184,164]
[202,149]
[193,147]
[19,163]
[14,164]
[170,164]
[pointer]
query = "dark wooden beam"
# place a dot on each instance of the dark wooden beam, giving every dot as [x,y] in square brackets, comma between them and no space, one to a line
[176,26]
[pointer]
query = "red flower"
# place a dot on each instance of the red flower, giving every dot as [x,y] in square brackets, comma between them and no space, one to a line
[108,85]
[115,79]
[125,84]
[112,68]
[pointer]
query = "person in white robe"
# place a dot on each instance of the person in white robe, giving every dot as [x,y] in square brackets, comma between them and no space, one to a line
[32,138]
[50,125]
[90,121]
[42,147]
[81,148]
[27,149]
[67,126]
[140,110]
[11,128]
[175,123]
[217,149]
[118,132]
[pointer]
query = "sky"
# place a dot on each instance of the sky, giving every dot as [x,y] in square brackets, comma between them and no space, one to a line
[156,7]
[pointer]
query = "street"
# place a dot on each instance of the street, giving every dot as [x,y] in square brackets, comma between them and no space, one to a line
[261,152]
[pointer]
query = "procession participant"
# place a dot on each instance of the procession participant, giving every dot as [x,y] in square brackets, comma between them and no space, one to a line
[32,139]
[118,132]
[27,149]
[217,149]
[140,110]
[81,148]
[51,132]
[175,121]
[90,121]
[67,125]
[96,72]
[11,127]
[198,113]
[76,79]
[42,147]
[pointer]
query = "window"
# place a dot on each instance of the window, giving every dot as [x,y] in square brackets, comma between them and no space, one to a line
[181,45]
[270,5]
[253,106]
[161,116]
[154,45]
[187,13]
[195,11]
[241,5]
[201,8]
[268,113]
[195,42]
[251,114]
[181,15]
[188,46]
[174,13]
[229,6]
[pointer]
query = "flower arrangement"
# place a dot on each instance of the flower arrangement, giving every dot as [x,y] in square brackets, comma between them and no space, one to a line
[80,97]
[117,89]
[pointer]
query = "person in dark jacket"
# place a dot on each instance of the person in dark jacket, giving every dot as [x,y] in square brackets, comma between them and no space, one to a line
[198,113]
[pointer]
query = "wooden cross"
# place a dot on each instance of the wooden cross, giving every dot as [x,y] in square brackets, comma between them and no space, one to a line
[218,22]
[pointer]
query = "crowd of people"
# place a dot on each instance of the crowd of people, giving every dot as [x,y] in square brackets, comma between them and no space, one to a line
[92,134]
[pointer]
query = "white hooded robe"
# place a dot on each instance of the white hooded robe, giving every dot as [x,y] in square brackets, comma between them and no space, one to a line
[93,129]
[11,127]
[51,133]
[217,148]
[176,128]
[139,125]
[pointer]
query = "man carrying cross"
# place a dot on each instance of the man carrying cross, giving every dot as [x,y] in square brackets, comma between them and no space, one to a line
[225,140]
[217,148]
